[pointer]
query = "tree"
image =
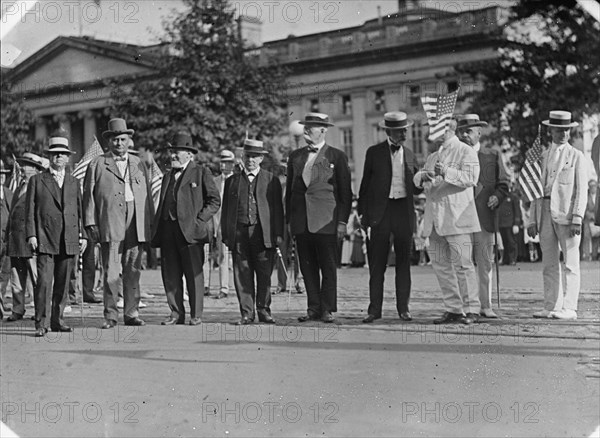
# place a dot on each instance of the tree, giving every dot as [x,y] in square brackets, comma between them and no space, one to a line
[548,59]
[207,83]
[17,123]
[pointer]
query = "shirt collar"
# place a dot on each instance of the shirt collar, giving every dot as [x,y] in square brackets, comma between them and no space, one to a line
[319,145]
[126,156]
[390,143]
[56,172]
[254,172]
[477,147]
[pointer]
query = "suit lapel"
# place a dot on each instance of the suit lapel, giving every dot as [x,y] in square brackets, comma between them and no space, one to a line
[563,159]
[187,174]
[319,159]
[111,166]
[52,186]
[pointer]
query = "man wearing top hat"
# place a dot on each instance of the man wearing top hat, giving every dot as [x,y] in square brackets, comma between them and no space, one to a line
[22,259]
[318,203]
[491,189]
[117,202]
[386,205]
[252,227]
[54,231]
[6,196]
[558,216]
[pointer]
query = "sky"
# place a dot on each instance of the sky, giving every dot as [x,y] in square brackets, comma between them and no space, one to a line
[141,22]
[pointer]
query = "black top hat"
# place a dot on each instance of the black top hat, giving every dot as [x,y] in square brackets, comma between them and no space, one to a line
[254,147]
[58,144]
[317,119]
[183,140]
[117,127]
[395,120]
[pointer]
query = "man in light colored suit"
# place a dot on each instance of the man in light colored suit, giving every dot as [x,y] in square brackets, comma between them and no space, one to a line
[318,201]
[117,202]
[450,219]
[558,216]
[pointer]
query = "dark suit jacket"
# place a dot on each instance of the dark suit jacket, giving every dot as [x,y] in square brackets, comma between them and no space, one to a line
[509,212]
[596,160]
[327,200]
[51,210]
[376,182]
[493,180]
[269,203]
[16,230]
[197,201]
[5,206]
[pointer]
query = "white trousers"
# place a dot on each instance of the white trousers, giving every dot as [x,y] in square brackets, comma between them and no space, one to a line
[484,259]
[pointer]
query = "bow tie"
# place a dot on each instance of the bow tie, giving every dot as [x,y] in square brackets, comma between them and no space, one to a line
[176,169]
[312,149]
[395,147]
[120,159]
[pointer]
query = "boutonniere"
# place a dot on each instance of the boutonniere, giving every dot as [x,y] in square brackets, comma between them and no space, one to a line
[194,185]
[331,165]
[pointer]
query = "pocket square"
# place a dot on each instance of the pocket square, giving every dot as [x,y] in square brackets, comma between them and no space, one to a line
[331,165]
[194,185]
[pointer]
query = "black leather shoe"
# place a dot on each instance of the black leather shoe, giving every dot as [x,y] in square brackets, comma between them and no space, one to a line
[109,323]
[221,296]
[40,332]
[14,317]
[195,321]
[474,317]
[467,320]
[207,292]
[62,328]
[244,321]
[406,316]
[310,316]
[327,317]
[299,290]
[172,321]
[449,318]
[266,318]
[135,321]
[370,318]
[93,301]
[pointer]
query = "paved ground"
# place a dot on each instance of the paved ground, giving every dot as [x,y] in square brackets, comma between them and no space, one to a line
[511,377]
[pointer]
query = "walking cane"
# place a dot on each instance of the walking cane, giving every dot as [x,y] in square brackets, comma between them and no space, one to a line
[496,256]
[280,259]
[80,280]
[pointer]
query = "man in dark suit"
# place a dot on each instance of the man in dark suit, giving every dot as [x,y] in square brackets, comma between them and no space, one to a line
[54,231]
[5,203]
[188,201]
[252,226]
[491,189]
[509,223]
[118,211]
[22,258]
[318,202]
[385,204]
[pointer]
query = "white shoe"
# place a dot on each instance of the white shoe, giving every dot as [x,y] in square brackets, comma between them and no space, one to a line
[67,309]
[120,303]
[488,313]
[142,305]
[543,314]
[565,314]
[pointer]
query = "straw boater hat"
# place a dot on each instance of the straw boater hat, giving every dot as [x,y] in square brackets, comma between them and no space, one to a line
[58,144]
[316,119]
[254,147]
[469,121]
[117,127]
[183,140]
[227,156]
[395,120]
[31,159]
[560,119]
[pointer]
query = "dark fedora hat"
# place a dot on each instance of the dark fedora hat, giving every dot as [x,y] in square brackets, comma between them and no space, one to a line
[395,120]
[469,121]
[59,145]
[183,140]
[31,159]
[316,119]
[254,147]
[117,127]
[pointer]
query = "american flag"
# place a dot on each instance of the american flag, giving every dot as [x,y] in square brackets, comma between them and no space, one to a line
[530,178]
[15,177]
[156,177]
[81,167]
[439,109]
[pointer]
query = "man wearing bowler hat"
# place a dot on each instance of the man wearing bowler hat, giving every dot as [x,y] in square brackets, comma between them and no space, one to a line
[491,189]
[117,202]
[188,201]
[318,201]
[252,226]
[385,204]
[558,216]
[54,231]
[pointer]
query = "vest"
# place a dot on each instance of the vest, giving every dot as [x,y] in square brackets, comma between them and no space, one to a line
[247,207]
[169,211]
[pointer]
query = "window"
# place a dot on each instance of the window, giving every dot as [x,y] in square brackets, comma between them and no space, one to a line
[314,105]
[346,141]
[417,137]
[380,100]
[347,104]
[379,134]
[415,95]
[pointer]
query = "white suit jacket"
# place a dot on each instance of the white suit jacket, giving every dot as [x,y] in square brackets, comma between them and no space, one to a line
[568,198]
[450,205]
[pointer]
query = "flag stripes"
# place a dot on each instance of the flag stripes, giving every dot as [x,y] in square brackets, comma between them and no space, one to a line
[439,109]
[156,177]
[81,167]
[15,176]
[530,177]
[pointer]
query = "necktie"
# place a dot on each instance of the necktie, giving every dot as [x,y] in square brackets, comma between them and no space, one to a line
[120,159]
[312,149]
[250,176]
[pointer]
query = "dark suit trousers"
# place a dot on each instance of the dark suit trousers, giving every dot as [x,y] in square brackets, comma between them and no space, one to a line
[396,222]
[49,267]
[179,259]
[252,259]
[25,267]
[510,245]
[88,274]
[318,257]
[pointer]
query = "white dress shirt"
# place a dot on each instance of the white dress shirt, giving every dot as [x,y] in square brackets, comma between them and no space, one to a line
[123,166]
[398,186]
[59,176]
[310,161]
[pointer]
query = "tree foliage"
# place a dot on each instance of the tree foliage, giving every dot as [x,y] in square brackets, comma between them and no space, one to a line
[17,123]
[548,58]
[207,84]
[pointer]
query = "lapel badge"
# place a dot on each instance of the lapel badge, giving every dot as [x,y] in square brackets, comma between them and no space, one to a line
[194,185]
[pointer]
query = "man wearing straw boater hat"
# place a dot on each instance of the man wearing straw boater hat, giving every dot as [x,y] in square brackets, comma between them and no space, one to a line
[491,189]
[386,205]
[22,259]
[188,200]
[558,216]
[318,203]
[118,208]
[55,233]
[252,227]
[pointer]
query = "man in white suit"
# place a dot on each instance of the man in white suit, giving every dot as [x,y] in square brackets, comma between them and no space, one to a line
[558,217]
[450,219]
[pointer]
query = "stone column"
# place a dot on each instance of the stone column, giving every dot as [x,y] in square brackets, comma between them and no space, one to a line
[360,141]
